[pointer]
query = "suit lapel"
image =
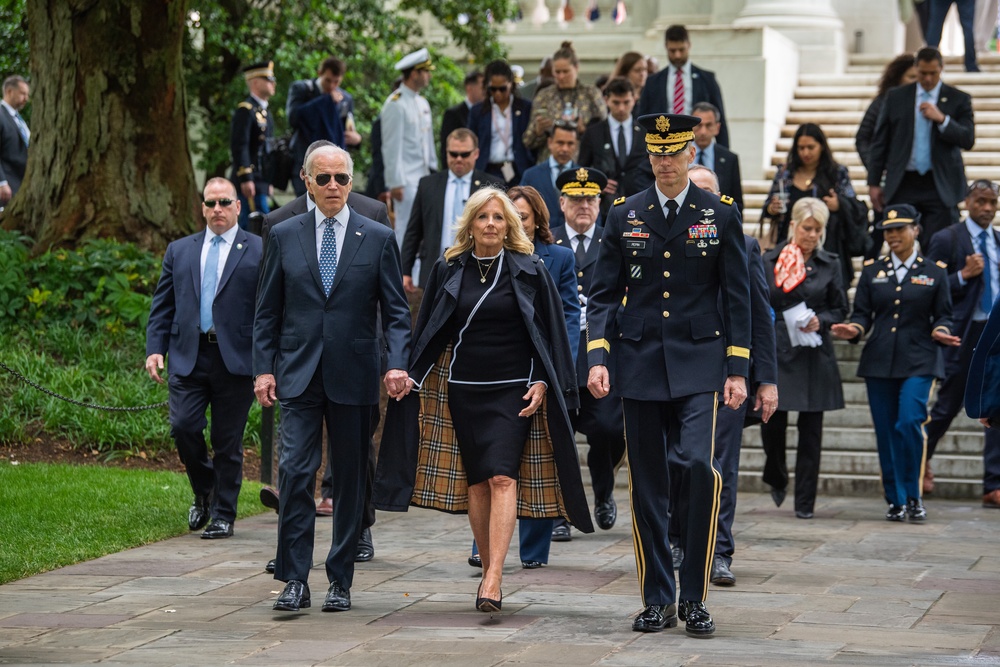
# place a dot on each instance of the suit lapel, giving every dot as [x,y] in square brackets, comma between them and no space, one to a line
[353,239]
[198,240]
[593,249]
[235,255]
[307,239]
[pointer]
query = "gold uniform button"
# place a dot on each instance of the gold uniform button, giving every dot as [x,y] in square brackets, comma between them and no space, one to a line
[666,274]
[666,295]
[895,316]
[716,333]
[893,330]
[666,255]
[899,288]
[634,253]
[704,254]
[666,313]
[896,302]
[580,274]
[579,288]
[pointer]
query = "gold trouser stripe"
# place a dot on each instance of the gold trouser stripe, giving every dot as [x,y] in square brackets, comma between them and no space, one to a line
[923,431]
[598,344]
[716,497]
[640,556]
[735,351]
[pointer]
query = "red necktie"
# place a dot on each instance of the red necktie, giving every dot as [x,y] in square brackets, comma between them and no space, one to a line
[679,92]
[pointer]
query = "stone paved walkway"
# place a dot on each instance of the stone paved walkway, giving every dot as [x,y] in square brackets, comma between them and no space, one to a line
[847,588]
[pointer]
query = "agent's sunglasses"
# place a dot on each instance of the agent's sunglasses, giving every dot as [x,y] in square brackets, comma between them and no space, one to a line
[982,184]
[224,203]
[323,180]
[456,154]
[498,89]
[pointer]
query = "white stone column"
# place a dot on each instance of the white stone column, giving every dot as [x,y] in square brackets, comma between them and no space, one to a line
[812,24]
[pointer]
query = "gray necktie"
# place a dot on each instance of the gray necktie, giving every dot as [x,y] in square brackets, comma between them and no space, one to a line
[328,255]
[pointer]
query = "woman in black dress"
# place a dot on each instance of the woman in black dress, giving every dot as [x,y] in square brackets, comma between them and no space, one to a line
[801,272]
[492,364]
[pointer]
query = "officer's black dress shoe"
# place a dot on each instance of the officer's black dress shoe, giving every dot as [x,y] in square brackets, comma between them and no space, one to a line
[895,513]
[655,617]
[530,564]
[778,496]
[198,514]
[475,560]
[217,530]
[803,514]
[915,510]
[366,549]
[695,615]
[605,513]
[338,598]
[294,597]
[269,568]
[721,574]
[677,555]
[269,497]
[560,533]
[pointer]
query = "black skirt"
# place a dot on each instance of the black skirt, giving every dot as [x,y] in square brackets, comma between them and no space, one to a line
[490,435]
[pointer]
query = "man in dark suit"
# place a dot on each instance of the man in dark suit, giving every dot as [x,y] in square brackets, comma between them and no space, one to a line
[615,146]
[712,155]
[971,250]
[14,137]
[982,400]
[458,115]
[682,337]
[917,147]
[681,85]
[202,319]
[439,202]
[326,278]
[250,135]
[562,144]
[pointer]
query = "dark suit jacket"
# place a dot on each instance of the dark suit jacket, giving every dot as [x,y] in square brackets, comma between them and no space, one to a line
[453,118]
[892,142]
[982,398]
[540,178]
[598,150]
[366,206]
[727,168]
[311,118]
[584,276]
[560,264]
[423,232]
[298,329]
[705,89]
[481,122]
[763,355]
[13,152]
[951,246]
[175,316]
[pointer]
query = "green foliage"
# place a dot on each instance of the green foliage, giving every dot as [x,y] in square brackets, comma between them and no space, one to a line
[51,517]
[13,257]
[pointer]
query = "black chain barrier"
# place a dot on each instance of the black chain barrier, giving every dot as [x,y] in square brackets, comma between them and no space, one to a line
[106,408]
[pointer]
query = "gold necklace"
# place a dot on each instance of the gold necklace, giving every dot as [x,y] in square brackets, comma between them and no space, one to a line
[483,274]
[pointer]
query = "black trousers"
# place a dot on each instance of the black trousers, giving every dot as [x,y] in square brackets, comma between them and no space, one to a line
[773,436]
[670,446]
[348,433]
[600,419]
[920,192]
[230,397]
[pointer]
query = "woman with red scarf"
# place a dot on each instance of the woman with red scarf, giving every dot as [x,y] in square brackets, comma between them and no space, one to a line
[807,295]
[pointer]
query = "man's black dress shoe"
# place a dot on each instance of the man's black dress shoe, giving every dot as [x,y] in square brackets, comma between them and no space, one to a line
[366,549]
[605,513]
[217,530]
[895,513]
[338,598]
[269,497]
[915,510]
[560,533]
[294,597]
[778,496]
[695,615]
[721,574]
[655,617]
[198,514]
[530,564]
[803,514]
[269,568]
[677,555]
[475,560]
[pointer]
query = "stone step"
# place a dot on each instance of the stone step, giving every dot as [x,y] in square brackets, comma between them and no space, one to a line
[951,77]
[859,173]
[851,131]
[971,158]
[836,462]
[846,144]
[984,59]
[857,485]
[867,92]
[861,104]
[955,441]
[853,118]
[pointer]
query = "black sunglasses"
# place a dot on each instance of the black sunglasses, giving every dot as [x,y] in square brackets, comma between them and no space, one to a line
[224,203]
[456,154]
[498,89]
[324,179]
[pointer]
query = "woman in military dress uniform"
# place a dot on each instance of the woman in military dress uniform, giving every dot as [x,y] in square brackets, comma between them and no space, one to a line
[905,301]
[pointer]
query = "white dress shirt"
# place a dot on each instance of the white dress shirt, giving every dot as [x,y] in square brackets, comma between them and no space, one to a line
[574,237]
[679,198]
[339,229]
[501,134]
[902,266]
[228,238]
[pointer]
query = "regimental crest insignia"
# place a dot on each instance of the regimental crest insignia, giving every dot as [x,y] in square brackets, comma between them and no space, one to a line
[582,175]
[662,124]
[891,215]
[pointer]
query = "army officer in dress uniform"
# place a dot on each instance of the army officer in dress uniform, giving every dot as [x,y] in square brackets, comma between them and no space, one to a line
[906,301]
[249,140]
[677,249]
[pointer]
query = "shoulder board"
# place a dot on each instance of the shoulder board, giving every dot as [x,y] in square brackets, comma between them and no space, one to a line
[869,262]
[244,105]
[395,96]
[941,264]
[620,200]
[726,199]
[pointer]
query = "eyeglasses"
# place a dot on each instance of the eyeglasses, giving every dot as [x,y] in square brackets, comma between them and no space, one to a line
[324,179]
[498,89]
[224,203]
[456,154]
[983,184]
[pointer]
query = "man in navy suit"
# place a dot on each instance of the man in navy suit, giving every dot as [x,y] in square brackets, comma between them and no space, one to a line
[14,137]
[712,155]
[562,144]
[202,320]
[458,115]
[327,276]
[918,142]
[971,250]
[681,85]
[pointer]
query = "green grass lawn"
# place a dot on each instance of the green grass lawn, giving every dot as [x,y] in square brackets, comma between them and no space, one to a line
[56,515]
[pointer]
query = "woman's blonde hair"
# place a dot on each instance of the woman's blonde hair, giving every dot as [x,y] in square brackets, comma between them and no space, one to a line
[515,239]
[810,207]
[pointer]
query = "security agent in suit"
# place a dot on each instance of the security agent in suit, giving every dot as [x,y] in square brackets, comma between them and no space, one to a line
[439,202]
[675,350]
[615,146]
[500,121]
[251,132]
[971,251]
[202,319]
[326,278]
[712,155]
[982,400]
[699,85]
[918,142]
[729,424]
[905,301]
[458,115]
[562,144]
[14,137]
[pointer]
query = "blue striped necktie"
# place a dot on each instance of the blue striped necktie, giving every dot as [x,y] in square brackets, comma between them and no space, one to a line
[328,255]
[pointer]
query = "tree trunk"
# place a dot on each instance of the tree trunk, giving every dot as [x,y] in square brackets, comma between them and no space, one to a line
[109,146]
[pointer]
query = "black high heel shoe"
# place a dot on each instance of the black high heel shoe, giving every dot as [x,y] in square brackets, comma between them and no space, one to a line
[488,605]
